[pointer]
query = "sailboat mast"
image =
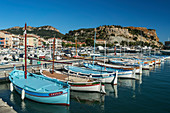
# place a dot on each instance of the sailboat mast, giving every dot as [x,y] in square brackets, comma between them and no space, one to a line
[53,55]
[94,40]
[25,32]
[94,45]
[105,52]
[76,46]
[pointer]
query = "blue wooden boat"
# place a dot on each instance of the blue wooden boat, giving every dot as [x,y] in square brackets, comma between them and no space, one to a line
[39,88]
[121,73]
[105,77]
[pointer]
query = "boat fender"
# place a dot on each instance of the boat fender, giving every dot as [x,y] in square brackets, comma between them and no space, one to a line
[11,87]
[23,94]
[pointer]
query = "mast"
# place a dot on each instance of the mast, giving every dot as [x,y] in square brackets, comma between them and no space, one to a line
[25,32]
[53,55]
[105,52]
[115,50]
[94,45]
[76,45]
[105,55]
[50,50]
[94,40]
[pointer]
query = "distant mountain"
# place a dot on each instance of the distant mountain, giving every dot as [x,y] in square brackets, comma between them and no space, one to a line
[43,31]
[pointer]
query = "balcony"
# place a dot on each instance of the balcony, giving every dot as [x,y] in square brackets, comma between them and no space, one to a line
[1,43]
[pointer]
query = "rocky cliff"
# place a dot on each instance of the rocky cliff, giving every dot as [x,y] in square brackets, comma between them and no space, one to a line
[118,34]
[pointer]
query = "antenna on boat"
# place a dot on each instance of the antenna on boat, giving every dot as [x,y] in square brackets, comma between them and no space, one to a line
[25,32]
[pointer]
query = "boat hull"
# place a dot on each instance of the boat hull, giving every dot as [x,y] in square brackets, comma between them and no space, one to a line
[121,74]
[104,78]
[39,88]
[88,87]
[60,99]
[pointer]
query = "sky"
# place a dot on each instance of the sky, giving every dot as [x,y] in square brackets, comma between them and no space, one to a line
[66,15]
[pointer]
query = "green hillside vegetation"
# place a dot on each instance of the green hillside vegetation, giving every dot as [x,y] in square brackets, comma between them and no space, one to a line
[42,33]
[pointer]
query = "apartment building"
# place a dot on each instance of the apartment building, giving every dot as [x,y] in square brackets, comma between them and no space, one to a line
[58,42]
[32,40]
[100,41]
[8,40]
[15,41]
[5,39]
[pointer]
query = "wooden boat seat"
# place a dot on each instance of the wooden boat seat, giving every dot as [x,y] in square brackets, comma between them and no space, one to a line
[76,79]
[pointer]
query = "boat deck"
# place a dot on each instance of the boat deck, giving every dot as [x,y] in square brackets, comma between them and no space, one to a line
[35,83]
[65,77]
[102,68]
[84,70]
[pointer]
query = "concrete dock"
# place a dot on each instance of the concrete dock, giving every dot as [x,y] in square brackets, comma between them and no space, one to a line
[33,68]
[5,108]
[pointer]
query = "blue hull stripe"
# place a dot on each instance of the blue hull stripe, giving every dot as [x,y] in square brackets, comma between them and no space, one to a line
[38,94]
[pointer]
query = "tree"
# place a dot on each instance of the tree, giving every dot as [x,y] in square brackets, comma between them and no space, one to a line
[73,45]
[83,45]
[115,42]
[44,43]
[47,44]
[89,42]
[135,38]
[68,45]
[63,44]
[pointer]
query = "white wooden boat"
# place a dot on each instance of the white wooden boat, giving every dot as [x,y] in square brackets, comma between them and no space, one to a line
[77,83]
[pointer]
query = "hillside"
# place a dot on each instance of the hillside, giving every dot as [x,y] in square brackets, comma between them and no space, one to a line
[134,35]
[111,33]
[43,31]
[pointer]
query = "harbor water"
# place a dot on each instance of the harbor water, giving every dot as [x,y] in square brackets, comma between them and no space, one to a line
[149,94]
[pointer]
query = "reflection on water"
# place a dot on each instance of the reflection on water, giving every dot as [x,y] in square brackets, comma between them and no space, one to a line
[146,72]
[111,90]
[158,66]
[129,83]
[88,98]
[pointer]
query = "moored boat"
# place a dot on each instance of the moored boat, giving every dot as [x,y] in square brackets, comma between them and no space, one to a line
[137,70]
[121,73]
[39,88]
[76,82]
[105,77]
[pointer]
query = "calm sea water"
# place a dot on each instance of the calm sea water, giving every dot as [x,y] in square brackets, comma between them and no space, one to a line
[149,94]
